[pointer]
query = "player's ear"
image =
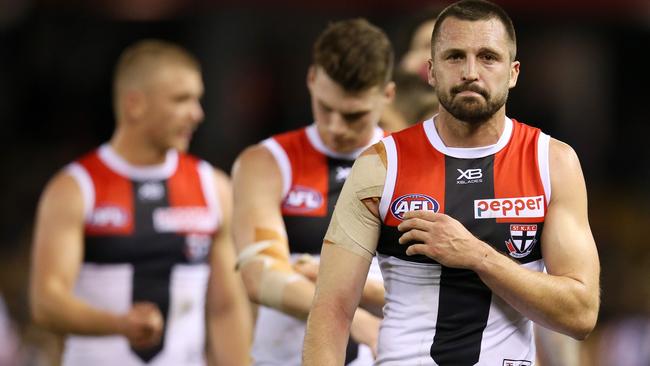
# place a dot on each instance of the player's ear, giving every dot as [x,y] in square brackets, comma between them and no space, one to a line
[430,74]
[311,76]
[389,91]
[135,104]
[514,73]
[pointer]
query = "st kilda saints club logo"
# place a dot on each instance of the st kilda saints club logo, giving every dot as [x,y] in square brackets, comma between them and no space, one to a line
[522,239]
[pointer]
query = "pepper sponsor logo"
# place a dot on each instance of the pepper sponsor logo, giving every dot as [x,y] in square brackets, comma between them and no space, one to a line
[413,202]
[184,219]
[509,207]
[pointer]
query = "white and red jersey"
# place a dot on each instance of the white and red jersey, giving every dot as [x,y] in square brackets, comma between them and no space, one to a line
[312,177]
[147,235]
[436,315]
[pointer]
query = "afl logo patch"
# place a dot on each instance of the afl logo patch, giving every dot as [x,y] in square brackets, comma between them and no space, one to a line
[413,202]
[109,216]
[302,199]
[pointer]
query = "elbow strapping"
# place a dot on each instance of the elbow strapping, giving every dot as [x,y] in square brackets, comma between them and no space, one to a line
[266,286]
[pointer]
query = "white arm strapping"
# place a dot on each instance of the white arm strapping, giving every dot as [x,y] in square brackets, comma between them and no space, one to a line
[275,274]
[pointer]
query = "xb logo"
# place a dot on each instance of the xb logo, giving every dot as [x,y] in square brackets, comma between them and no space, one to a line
[470,174]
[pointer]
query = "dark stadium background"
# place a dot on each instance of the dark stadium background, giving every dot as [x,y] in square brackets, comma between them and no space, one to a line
[585,80]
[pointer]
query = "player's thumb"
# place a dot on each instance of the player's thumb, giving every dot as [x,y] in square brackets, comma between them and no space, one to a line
[415,249]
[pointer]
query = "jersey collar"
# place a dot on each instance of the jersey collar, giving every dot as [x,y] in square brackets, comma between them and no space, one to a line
[467,152]
[162,171]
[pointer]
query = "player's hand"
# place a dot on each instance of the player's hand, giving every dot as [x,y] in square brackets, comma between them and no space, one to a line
[365,329]
[440,237]
[307,266]
[143,325]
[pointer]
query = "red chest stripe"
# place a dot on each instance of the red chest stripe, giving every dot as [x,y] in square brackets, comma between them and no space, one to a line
[516,174]
[425,175]
[113,211]
[307,194]
[185,185]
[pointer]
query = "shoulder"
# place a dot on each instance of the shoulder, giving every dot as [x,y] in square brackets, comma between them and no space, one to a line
[377,150]
[369,172]
[63,182]
[255,156]
[63,193]
[256,171]
[567,180]
[220,177]
[562,156]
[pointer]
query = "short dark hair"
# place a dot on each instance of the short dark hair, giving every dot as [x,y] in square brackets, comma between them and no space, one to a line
[140,59]
[474,10]
[355,54]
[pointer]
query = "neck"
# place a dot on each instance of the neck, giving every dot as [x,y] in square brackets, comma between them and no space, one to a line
[136,150]
[456,133]
[328,143]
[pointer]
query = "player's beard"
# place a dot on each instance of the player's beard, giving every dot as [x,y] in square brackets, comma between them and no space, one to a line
[472,110]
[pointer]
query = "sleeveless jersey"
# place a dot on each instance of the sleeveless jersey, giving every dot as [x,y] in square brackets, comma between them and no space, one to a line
[435,315]
[313,176]
[148,231]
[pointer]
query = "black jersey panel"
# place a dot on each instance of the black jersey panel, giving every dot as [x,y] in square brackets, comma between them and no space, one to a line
[464,302]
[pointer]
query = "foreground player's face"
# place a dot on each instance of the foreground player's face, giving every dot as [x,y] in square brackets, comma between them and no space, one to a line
[173,100]
[345,121]
[471,69]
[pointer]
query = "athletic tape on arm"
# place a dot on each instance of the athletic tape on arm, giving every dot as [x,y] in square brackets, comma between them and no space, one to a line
[353,226]
[277,273]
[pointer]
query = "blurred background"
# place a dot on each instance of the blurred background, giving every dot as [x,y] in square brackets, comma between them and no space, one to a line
[585,79]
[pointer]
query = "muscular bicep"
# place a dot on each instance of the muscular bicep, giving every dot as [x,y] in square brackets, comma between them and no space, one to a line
[58,237]
[341,277]
[259,231]
[568,246]
[257,187]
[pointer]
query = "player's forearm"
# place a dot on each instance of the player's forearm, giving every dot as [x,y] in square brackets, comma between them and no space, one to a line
[66,314]
[297,298]
[284,291]
[229,337]
[326,336]
[557,302]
